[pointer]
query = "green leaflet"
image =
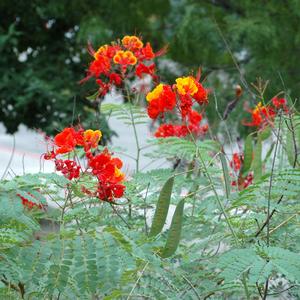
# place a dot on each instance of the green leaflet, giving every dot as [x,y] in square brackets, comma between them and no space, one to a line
[266,133]
[124,243]
[174,232]
[257,161]
[93,97]
[162,207]
[247,154]
[290,147]
[226,174]
[269,153]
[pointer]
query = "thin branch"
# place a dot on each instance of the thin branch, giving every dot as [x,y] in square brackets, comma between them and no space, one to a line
[192,286]
[139,278]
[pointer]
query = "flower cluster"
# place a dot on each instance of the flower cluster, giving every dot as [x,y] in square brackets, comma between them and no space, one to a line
[125,58]
[179,99]
[105,168]
[236,165]
[262,115]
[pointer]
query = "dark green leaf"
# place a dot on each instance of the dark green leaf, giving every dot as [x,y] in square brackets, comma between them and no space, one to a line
[162,207]
[174,232]
[290,147]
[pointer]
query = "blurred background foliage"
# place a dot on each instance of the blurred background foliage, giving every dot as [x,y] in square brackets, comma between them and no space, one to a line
[43,51]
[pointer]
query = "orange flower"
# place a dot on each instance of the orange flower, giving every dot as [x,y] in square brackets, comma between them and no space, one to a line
[92,137]
[186,85]
[124,58]
[132,42]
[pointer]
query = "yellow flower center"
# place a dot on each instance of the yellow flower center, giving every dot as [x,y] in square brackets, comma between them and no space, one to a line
[124,58]
[155,93]
[258,107]
[132,42]
[186,85]
[92,136]
[119,173]
[101,51]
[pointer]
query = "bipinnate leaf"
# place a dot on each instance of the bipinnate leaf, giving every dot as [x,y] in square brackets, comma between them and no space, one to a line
[162,207]
[174,232]
[248,151]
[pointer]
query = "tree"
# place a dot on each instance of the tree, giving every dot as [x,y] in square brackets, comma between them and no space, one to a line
[43,52]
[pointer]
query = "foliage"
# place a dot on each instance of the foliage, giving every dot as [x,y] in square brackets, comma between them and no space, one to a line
[94,250]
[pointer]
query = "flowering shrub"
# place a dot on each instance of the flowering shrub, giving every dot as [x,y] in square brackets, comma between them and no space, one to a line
[228,218]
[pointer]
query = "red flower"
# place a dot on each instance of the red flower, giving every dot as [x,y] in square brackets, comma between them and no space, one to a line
[143,69]
[280,103]
[65,140]
[261,116]
[69,168]
[115,78]
[107,51]
[165,130]
[29,204]
[147,52]
[99,66]
[49,155]
[236,162]
[194,117]
[107,170]
[154,109]
[104,88]
[186,104]
[201,96]
[161,99]
[109,191]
